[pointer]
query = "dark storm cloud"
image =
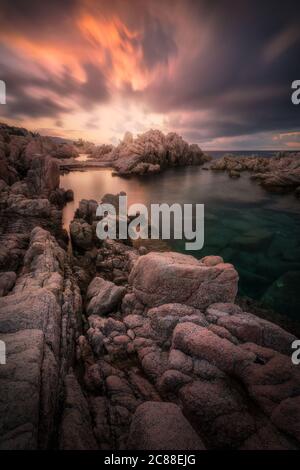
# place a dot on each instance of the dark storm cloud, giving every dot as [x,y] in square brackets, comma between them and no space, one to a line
[36,14]
[157,43]
[19,103]
[233,61]
[22,101]
[254,53]
[94,90]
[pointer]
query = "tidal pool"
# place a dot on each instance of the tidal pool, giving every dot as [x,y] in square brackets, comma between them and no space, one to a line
[255,230]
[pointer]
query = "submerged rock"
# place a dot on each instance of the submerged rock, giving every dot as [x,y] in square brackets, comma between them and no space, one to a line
[234,174]
[284,294]
[253,240]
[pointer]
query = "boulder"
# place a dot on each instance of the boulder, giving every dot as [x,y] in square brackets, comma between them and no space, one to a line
[287,417]
[202,343]
[219,412]
[250,328]
[211,260]
[218,310]
[87,210]
[164,318]
[272,381]
[104,296]
[180,361]
[162,278]
[162,426]
[7,282]
[81,234]
[172,380]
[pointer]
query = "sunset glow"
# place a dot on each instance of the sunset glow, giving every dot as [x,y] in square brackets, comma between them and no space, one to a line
[95,69]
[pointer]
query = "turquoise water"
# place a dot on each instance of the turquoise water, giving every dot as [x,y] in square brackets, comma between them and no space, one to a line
[255,230]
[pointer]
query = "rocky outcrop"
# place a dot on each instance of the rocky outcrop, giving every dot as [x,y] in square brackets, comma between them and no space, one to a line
[84,146]
[152,152]
[280,173]
[162,426]
[184,341]
[159,278]
[102,153]
[81,234]
[165,361]
[65,150]
[43,175]
[32,197]
[40,145]
[76,432]
[110,347]
[21,146]
[40,302]
[39,321]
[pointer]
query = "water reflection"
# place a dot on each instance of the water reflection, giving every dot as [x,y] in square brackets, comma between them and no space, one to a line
[255,230]
[82,157]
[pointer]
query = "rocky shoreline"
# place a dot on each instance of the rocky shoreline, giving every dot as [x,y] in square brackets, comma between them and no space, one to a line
[280,173]
[114,347]
[148,153]
[153,152]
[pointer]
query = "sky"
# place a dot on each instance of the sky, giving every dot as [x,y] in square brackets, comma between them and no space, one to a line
[217,72]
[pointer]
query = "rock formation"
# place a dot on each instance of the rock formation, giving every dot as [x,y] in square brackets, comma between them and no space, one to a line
[280,173]
[110,347]
[39,320]
[153,151]
[183,340]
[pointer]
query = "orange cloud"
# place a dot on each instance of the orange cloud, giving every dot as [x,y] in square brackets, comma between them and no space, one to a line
[53,56]
[117,48]
[105,41]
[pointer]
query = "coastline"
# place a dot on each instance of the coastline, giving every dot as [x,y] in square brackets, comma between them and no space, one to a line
[95,336]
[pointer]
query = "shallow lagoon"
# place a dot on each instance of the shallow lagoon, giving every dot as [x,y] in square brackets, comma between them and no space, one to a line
[255,230]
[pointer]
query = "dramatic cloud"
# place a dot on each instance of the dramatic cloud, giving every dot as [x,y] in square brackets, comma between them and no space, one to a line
[217,72]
